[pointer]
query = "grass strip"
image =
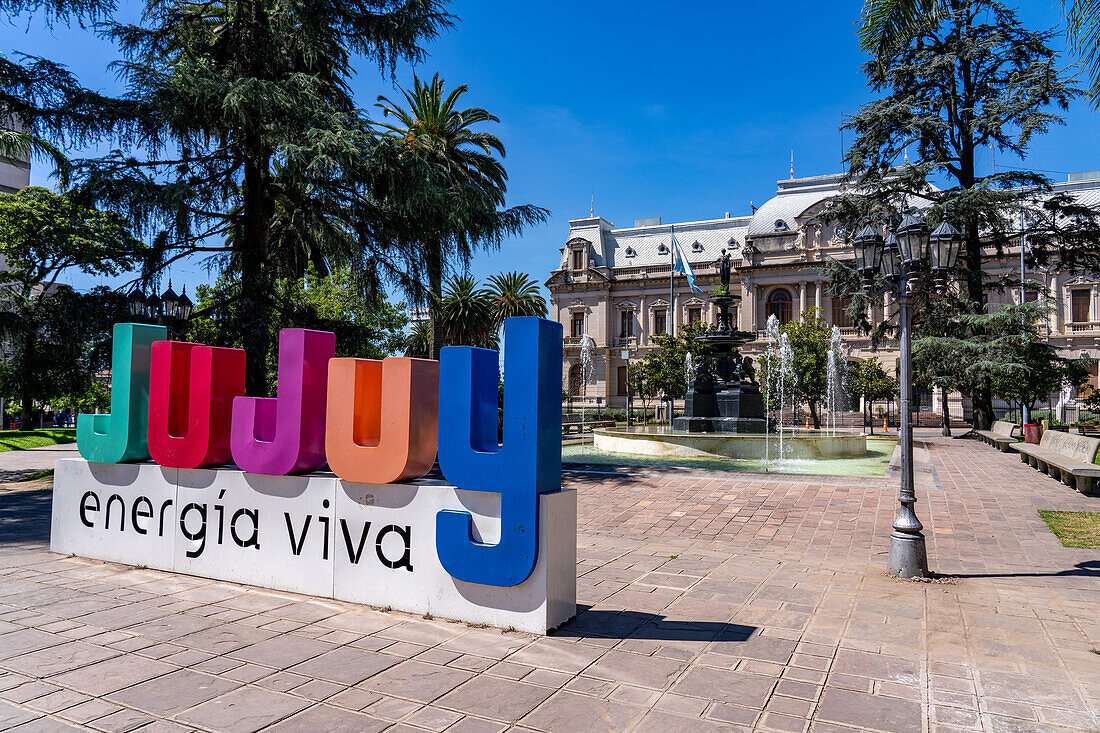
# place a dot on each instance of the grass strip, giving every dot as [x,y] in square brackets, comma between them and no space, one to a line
[1074,529]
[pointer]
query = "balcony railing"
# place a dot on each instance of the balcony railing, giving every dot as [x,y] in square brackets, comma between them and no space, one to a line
[1083,327]
[626,342]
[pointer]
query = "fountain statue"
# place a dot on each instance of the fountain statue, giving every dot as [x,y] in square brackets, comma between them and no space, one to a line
[722,395]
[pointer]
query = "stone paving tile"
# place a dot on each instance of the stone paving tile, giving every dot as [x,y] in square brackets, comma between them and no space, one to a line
[416,681]
[172,693]
[330,720]
[497,698]
[346,665]
[708,602]
[112,675]
[243,710]
[567,711]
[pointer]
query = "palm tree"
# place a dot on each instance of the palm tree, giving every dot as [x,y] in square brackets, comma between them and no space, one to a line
[466,314]
[887,24]
[466,160]
[515,294]
[419,341]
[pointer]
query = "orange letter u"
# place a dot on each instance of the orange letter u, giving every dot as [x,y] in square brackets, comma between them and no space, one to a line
[382,418]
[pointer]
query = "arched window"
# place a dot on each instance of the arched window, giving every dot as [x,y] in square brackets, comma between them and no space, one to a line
[662,249]
[575,380]
[779,304]
[781,226]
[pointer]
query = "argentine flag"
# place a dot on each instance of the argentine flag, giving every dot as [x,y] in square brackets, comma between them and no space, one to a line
[680,264]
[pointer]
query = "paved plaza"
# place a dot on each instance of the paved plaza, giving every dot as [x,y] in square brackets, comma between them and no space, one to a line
[708,602]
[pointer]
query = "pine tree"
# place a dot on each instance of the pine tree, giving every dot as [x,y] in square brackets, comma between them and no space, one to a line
[253,151]
[973,79]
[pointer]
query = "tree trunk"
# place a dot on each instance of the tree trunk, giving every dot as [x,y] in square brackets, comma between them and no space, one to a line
[814,416]
[867,421]
[433,254]
[256,304]
[257,211]
[27,420]
[946,410]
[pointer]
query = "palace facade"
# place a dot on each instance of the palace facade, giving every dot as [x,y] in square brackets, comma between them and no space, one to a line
[612,284]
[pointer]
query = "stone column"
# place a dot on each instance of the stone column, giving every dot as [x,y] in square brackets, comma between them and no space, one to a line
[643,321]
[1057,322]
[801,298]
[818,287]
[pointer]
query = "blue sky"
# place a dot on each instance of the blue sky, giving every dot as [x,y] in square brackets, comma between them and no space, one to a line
[685,114]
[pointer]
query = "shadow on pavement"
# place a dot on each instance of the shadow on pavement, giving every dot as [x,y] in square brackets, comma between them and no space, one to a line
[635,625]
[1086,569]
[25,515]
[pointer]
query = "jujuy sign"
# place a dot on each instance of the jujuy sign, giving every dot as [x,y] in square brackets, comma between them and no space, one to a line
[493,543]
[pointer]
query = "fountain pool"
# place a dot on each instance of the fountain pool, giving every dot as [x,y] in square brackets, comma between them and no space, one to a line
[653,440]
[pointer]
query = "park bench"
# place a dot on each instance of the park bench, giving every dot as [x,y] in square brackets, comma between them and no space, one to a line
[1064,456]
[572,424]
[1001,436]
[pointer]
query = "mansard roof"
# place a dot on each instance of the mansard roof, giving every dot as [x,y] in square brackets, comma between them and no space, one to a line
[646,246]
[793,199]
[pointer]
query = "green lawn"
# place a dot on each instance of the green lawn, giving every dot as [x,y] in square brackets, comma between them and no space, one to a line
[23,439]
[1075,529]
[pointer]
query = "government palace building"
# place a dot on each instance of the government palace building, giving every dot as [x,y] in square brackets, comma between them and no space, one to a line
[613,285]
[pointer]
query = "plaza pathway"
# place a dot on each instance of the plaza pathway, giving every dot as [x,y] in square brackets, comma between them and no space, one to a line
[709,603]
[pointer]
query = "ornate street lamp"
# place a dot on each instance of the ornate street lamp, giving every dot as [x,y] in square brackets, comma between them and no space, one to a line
[944,248]
[891,259]
[912,236]
[135,303]
[868,248]
[153,307]
[171,302]
[185,306]
[899,256]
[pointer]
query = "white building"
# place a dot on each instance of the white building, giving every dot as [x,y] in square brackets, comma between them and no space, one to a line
[613,283]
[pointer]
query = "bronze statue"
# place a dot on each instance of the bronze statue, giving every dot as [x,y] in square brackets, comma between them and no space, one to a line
[724,269]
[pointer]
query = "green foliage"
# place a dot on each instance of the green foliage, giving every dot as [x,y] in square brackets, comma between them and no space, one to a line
[44,234]
[365,324]
[946,88]
[1000,348]
[663,369]
[515,294]
[471,315]
[55,338]
[641,386]
[867,379]
[809,339]
[888,24]
[466,314]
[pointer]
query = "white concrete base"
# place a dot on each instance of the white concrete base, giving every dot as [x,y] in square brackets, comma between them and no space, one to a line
[315,534]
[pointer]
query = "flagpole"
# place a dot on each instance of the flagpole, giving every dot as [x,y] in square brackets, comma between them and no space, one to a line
[671,296]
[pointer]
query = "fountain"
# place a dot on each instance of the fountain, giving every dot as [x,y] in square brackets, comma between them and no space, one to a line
[588,370]
[835,373]
[724,408]
[722,395]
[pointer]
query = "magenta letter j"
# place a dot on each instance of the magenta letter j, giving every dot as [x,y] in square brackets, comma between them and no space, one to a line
[286,434]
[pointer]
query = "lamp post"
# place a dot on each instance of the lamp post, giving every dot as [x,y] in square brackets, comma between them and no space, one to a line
[899,257]
[629,394]
[168,309]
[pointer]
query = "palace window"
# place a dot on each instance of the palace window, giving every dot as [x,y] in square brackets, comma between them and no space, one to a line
[781,226]
[575,380]
[578,325]
[733,318]
[695,316]
[578,259]
[779,305]
[1080,302]
[841,319]
[662,249]
[697,247]
[626,324]
[621,371]
[660,325]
